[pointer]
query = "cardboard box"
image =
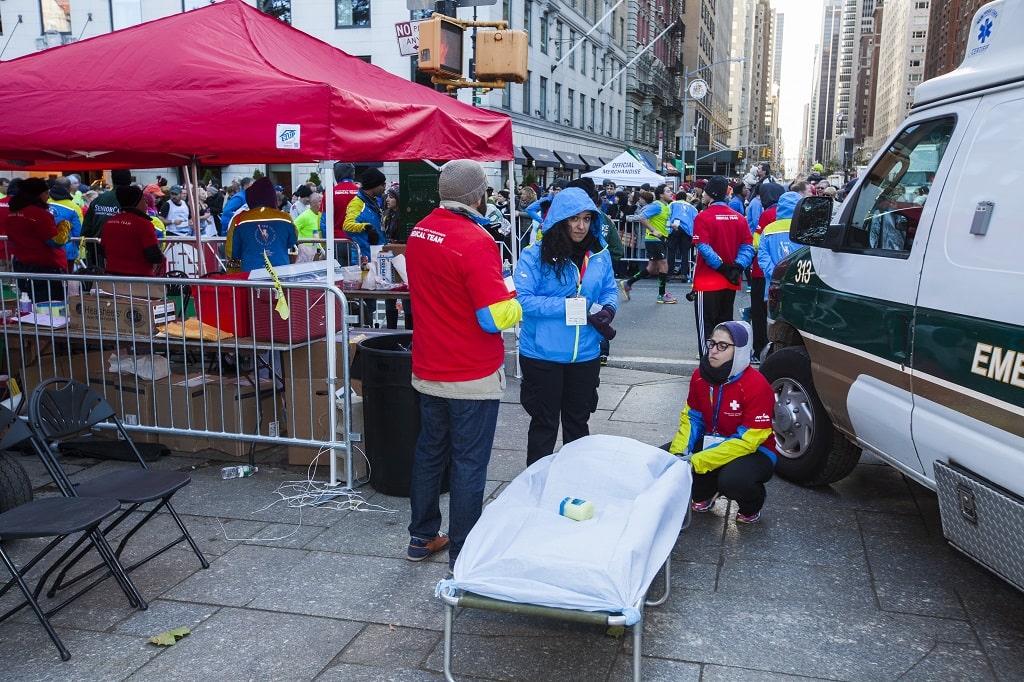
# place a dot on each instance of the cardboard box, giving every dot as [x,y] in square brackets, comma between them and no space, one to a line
[31,368]
[232,408]
[133,399]
[182,403]
[124,316]
[320,424]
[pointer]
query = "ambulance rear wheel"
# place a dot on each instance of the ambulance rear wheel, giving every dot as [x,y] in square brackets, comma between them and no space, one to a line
[811,451]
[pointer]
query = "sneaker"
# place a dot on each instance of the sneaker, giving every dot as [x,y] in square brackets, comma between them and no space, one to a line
[705,505]
[743,518]
[421,549]
[668,298]
[604,360]
[626,288]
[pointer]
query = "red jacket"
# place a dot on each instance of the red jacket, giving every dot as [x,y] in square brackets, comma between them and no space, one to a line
[29,232]
[725,231]
[454,272]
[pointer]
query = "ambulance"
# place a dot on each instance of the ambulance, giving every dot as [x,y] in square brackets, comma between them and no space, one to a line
[897,326]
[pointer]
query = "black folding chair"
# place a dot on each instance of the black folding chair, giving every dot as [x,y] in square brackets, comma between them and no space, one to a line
[62,408]
[56,518]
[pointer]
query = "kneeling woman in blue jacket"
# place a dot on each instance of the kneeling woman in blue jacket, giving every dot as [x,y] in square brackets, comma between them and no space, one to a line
[567,289]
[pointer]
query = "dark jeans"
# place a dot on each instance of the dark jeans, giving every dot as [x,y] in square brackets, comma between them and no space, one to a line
[742,480]
[758,314]
[462,432]
[553,392]
[712,308]
[679,241]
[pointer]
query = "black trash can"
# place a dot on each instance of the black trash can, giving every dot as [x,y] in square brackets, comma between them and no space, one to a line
[391,411]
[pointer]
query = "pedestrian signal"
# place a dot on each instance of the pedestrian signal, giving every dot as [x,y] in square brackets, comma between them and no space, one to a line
[440,46]
[739,154]
[501,56]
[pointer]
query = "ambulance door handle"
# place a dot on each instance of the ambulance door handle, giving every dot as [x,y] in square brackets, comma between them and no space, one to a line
[906,338]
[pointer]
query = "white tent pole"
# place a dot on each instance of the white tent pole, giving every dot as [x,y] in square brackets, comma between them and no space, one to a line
[192,182]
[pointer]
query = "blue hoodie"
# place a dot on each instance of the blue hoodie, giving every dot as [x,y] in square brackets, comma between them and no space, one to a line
[775,244]
[542,293]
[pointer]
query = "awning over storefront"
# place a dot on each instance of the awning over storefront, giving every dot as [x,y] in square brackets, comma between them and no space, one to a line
[650,159]
[520,157]
[670,168]
[570,160]
[591,161]
[541,158]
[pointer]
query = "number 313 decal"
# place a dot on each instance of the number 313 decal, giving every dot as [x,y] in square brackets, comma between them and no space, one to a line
[804,270]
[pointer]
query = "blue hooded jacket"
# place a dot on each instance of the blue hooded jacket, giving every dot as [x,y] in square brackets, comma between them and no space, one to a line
[775,244]
[542,292]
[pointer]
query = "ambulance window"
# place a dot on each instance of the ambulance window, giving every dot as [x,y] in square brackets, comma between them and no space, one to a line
[888,207]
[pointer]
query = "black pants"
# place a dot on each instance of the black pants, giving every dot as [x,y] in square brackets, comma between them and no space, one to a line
[758,314]
[679,241]
[39,290]
[741,480]
[553,392]
[711,308]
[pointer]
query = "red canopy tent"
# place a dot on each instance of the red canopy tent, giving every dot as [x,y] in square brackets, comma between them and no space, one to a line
[224,84]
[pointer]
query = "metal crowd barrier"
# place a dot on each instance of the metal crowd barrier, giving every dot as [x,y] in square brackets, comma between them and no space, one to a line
[253,378]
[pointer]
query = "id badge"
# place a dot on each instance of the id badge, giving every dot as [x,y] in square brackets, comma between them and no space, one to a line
[576,311]
[712,439]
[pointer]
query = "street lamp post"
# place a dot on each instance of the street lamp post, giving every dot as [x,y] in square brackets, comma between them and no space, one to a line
[686,95]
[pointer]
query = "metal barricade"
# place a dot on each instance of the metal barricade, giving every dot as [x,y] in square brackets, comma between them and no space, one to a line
[237,375]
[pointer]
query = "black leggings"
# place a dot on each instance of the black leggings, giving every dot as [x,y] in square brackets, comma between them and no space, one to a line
[553,392]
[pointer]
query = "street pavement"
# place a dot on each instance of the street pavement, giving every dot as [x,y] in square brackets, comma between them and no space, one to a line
[850,582]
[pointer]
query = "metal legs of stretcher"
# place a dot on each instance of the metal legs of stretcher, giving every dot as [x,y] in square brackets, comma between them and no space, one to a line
[603,618]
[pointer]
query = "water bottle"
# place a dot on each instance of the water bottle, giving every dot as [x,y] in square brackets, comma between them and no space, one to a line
[506,274]
[24,304]
[240,471]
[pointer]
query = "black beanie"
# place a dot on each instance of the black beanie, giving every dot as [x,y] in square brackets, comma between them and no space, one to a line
[121,176]
[373,178]
[128,196]
[588,186]
[261,193]
[717,187]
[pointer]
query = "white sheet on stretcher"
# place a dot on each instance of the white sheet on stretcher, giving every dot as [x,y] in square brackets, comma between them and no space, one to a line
[522,550]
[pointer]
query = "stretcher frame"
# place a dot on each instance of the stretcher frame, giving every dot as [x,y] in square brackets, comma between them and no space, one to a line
[604,618]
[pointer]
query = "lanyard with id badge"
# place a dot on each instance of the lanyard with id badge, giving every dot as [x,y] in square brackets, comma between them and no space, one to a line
[714,438]
[576,306]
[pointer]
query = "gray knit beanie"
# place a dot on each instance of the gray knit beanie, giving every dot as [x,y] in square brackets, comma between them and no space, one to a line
[462,180]
[343,170]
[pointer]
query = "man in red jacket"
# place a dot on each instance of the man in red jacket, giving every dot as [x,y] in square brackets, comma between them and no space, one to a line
[724,250]
[462,304]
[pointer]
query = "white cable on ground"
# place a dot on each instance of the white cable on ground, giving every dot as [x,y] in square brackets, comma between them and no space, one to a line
[311,493]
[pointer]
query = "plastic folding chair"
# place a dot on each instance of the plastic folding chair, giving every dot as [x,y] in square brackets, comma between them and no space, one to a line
[55,518]
[62,408]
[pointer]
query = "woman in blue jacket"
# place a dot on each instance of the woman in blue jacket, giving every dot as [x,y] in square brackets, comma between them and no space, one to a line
[567,289]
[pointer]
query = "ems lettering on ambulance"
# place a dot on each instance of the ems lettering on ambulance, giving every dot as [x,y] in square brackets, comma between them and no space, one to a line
[1003,365]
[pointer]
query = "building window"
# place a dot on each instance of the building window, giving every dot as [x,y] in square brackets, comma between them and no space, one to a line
[583,111]
[593,112]
[506,97]
[593,62]
[527,109]
[528,22]
[351,13]
[572,107]
[583,58]
[543,97]
[544,34]
[601,129]
[558,102]
[558,40]
[572,55]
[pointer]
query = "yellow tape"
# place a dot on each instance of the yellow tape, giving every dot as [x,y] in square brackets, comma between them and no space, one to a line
[282,301]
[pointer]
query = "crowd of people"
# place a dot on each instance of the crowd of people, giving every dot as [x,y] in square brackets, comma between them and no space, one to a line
[565,291]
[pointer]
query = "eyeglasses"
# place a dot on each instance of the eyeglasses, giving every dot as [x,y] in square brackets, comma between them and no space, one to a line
[722,346]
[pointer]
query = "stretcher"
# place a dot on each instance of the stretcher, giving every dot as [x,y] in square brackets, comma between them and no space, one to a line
[524,557]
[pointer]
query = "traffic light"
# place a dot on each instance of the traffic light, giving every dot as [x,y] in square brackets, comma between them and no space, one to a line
[440,51]
[501,56]
[739,154]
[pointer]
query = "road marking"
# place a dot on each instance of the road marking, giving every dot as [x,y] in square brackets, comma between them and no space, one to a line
[654,361]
